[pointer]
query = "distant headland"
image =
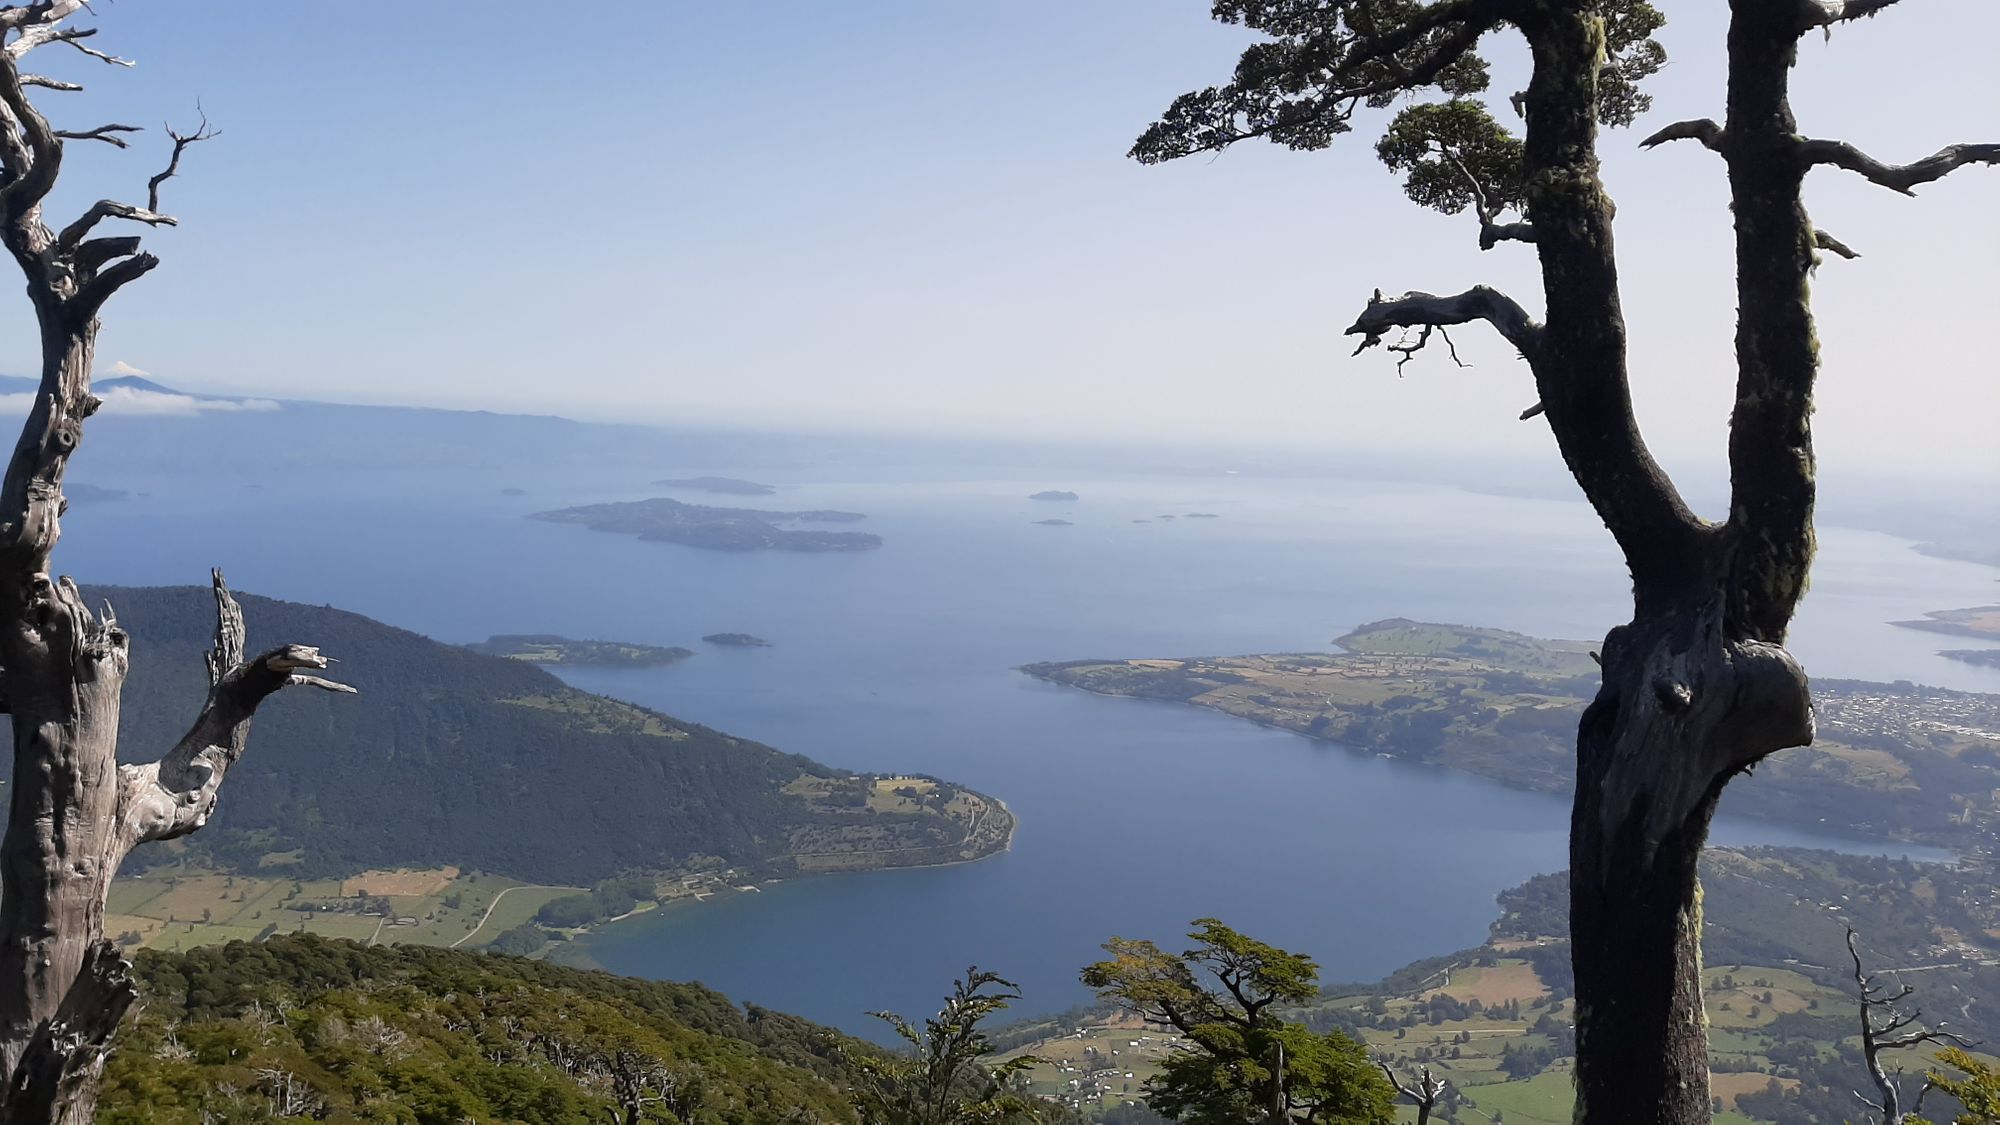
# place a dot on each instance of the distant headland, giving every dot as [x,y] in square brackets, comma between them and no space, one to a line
[548,648]
[717,529]
[737,640]
[729,486]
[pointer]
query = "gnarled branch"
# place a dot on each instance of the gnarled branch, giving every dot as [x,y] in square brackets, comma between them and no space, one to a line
[174,796]
[202,132]
[106,133]
[1833,245]
[72,235]
[1898,177]
[1422,310]
[1700,129]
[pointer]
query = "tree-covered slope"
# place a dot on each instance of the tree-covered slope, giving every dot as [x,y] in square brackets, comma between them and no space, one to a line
[346,1033]
[448,756]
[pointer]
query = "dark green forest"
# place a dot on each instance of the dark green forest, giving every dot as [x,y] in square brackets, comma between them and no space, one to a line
[347,1033]
[446,756]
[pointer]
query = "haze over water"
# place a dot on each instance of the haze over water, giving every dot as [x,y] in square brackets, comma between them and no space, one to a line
[1135,817]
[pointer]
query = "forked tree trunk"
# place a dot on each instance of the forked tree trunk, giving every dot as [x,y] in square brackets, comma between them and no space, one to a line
[1681,711]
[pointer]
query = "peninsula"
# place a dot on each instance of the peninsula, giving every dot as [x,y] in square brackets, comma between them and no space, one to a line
[548,648]
[1980,621]
[717,529]
[728,486]
[1892,762]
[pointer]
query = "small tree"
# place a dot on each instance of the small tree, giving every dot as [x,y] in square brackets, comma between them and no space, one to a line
[1887,1026]
[944,1082]
[1240,1062]
[1697,687]
[75,812]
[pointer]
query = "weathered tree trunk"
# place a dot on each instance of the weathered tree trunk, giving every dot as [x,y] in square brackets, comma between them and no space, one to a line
[74,812]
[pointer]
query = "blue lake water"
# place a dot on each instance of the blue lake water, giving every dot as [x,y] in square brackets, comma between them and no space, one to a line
[1135,817]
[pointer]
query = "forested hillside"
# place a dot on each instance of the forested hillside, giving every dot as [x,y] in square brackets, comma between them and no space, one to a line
[452,757]
[301,1027]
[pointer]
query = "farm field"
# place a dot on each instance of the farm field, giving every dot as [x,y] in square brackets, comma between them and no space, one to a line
[176,908]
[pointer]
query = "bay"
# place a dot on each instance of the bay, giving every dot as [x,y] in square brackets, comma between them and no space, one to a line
[1135,817]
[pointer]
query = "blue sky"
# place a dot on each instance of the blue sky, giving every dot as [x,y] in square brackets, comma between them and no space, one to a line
[917,216]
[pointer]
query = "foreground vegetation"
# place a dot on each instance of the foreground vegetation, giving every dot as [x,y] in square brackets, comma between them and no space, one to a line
[1890,761]
[1495,1023]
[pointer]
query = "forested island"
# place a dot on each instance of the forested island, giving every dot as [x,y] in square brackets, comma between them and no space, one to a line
[548,648]
[1052,494]
[737,640]
[1891,762]
[729,486]
[718,529]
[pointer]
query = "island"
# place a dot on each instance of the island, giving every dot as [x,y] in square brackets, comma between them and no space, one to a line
[729,486]
[513,492]
[1891,761]
[1980,621]
[1978,657]
[737,640]
[1203,516]
[717,529]
[548,648]
[1054,523]
[1052,494]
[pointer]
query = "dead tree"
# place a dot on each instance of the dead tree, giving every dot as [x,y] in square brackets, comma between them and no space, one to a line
[1697,687]
[1423,1093]
[1885,1026]
[75,812]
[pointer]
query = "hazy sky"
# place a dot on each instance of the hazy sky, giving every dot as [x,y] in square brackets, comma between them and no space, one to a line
[919,216]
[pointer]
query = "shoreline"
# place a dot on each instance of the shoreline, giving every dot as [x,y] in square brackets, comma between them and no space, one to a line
[582,958]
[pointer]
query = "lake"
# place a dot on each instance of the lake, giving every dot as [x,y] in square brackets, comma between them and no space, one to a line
[1135,817]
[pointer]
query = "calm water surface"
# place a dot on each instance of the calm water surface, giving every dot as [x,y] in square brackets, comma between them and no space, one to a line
[1135,817]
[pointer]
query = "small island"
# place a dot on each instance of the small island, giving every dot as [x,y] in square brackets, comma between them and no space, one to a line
[1052,494]
[513,492]
[728,486]
[548,648]
[1980,621]
[717,529]
[736,640]
[1977,657]
[1203,516]
[1054,523]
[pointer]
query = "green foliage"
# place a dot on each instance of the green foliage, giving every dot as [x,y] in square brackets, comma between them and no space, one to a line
[1453,156]
[943,1082]
[1239,1059]
[608,899]
[349,1033]
[1976,1088]
[1325,59]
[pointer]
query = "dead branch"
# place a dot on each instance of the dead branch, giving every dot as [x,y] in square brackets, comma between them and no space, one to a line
[1701,129]
[1883,1028]
[1423,310]
[181,141]
[47,83]
[1898,177]
[1833,245]
[72,235]
[175,795]
[1423,1093]
[106,133]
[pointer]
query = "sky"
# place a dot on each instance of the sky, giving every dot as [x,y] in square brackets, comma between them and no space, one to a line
[918,217]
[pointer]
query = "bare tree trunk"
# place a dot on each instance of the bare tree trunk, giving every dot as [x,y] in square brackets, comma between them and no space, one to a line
[74,812]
